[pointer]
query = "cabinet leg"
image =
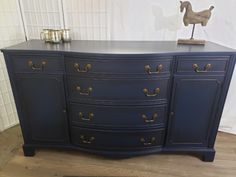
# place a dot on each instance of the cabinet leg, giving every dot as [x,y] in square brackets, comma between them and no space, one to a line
[28,151]
[208,156]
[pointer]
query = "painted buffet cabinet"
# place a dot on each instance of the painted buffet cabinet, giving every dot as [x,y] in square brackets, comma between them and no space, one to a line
[120,99]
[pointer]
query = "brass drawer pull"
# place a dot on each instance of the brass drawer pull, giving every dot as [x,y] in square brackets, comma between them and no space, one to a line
[82,117]
[153,119]
[87,140]
[146,143]
[85,92]
[86,69]
[158,69]
[207,67]
[155,93]
[36,67]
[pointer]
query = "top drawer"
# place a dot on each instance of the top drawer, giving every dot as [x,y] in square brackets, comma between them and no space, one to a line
[202,65]
[37,64]
[135,66]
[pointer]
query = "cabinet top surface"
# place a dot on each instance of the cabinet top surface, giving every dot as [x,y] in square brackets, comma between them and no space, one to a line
[118,47]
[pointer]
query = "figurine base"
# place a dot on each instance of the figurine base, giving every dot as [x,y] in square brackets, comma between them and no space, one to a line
[191,42]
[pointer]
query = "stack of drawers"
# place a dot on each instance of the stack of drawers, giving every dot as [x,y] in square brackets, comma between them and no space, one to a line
[120,98]
[118,103]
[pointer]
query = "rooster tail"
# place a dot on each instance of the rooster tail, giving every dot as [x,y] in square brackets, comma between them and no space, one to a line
[211,8]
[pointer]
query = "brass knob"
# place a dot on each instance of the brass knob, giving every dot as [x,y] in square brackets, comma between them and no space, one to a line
[64,110]
[171,114]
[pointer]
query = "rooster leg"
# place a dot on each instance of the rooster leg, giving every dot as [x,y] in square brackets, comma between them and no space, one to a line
[193,31]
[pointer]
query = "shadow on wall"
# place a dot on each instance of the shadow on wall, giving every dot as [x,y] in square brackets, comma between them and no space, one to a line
[171,23]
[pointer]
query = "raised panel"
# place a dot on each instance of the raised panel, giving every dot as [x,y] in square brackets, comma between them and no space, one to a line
[193,110]
[42,106]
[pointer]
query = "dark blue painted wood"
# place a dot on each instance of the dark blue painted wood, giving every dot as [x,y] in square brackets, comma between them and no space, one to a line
[42,106]
[193,109]
[53,64]
[218,64]
[129,48]
[118,77]
[117,90]
[116,140]
[117,117]
[116,66]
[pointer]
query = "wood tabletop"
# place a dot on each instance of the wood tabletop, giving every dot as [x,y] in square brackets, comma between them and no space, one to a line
[118,47]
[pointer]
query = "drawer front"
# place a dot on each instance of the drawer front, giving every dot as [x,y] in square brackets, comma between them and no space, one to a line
[202,65]
[37,64]
[116,140]
[118,116]
[120,90]
[144,66]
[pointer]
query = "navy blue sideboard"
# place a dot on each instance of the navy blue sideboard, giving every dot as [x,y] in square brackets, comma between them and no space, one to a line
[118,98]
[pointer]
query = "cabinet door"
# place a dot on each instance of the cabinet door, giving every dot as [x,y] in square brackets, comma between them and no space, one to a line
[41,107]
[194,102]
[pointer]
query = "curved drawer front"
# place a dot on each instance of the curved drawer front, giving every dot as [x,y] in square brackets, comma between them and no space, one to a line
[202,65]
[38,64]
[144,66]
[116,140]
[118,116]
[121,90]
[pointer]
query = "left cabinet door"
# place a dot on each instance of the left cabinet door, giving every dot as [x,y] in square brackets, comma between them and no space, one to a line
[42,108]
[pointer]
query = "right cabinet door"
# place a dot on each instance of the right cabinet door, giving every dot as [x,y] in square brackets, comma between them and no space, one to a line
[193,109]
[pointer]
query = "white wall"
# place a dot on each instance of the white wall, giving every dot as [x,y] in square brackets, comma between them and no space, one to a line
[88,19]
[11,32]
[125,20]
[161,20]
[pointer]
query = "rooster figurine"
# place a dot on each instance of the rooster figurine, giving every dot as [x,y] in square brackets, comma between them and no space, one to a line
[191,17]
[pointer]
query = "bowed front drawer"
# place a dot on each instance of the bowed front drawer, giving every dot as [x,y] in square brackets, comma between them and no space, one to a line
[116,139]
[134,66]
[118,116]
[84,89]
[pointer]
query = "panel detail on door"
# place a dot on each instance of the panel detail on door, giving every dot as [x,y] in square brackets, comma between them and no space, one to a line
[37,94]
[193,110]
